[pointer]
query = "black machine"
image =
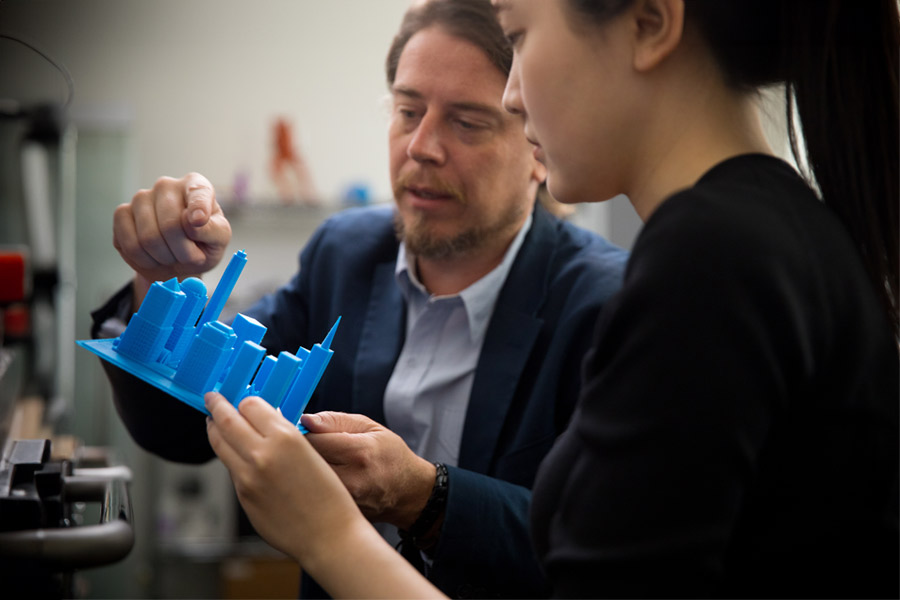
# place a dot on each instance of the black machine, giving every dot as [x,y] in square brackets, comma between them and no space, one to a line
[44,536]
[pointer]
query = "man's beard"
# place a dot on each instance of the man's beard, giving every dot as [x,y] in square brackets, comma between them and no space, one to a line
[422,241]
[420,237]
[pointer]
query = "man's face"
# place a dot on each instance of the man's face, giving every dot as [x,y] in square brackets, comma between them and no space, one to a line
[463,174]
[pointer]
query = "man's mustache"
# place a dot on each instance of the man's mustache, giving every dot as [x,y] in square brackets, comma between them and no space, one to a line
[435,185]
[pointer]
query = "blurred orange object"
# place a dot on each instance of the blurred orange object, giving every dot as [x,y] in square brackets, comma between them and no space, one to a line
[289,170]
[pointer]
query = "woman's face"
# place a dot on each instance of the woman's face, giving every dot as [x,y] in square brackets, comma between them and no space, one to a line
[577,94]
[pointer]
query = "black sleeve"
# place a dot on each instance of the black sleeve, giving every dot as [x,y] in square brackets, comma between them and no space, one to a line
[690,364]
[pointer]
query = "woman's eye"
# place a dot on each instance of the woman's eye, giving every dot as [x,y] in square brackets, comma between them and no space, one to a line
[513,38]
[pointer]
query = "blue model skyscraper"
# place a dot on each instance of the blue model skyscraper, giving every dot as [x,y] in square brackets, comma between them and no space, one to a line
[170,344]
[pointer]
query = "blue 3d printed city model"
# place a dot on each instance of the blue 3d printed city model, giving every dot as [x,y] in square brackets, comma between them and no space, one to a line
[170,344]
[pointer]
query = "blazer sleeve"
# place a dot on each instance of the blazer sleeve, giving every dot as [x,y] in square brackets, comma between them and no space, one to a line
[486,518]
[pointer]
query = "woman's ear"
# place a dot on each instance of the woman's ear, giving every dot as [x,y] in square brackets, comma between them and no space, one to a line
[659,25]
[538,172]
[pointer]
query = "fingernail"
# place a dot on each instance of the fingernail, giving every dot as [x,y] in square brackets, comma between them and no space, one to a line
[198,215]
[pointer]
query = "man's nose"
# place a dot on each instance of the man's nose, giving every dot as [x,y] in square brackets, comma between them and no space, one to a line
[426,144]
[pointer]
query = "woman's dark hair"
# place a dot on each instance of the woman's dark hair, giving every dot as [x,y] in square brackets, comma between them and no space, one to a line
[470,20]
[839,61]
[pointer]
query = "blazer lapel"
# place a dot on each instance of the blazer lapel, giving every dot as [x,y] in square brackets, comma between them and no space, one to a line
[508,343]
[503,357]
[382,337]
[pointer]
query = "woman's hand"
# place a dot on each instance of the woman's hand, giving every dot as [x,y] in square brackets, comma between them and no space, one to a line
[291,495]
[298,504]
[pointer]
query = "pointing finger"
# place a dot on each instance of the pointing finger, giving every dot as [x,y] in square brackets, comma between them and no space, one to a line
[200,199]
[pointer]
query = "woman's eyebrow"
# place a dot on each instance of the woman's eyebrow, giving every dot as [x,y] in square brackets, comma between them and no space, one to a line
[500,5]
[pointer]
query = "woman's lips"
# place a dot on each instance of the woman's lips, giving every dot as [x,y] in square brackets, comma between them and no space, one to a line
[537,152]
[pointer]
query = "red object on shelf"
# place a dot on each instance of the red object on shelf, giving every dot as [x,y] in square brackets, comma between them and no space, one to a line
[16,321]
[13,282]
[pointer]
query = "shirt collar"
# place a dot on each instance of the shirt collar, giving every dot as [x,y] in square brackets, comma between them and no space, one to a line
[478,299]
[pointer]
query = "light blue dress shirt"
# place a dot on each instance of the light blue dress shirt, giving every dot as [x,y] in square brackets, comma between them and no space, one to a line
[427,396]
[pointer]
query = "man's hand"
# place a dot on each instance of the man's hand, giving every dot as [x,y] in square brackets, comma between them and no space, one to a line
[389,482]
[176,229]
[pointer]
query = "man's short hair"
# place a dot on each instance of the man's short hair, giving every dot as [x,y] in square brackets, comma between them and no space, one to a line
[471,20]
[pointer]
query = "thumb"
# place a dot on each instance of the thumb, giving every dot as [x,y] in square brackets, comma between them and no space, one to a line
[199,199]
[337,422]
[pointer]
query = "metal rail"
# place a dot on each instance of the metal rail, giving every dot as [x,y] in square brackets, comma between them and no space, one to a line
[80,546]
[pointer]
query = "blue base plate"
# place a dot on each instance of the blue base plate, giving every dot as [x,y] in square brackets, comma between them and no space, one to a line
[159,375]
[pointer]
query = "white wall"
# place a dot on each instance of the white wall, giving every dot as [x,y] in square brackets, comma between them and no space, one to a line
[199,82]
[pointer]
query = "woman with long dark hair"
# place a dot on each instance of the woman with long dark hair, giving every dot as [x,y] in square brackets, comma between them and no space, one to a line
[737,434]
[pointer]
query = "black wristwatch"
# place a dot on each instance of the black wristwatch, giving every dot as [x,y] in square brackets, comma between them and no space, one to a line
[434,508]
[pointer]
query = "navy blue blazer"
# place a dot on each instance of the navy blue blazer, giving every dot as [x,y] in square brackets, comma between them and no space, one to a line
[524,390]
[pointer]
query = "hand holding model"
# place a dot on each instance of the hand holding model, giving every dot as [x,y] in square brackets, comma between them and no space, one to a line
[388,481]
[280,479]
[175,229]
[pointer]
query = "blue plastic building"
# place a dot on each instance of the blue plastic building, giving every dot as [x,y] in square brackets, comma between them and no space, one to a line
[171,344]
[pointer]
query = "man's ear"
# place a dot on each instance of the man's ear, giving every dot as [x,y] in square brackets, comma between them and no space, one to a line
[659,26]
